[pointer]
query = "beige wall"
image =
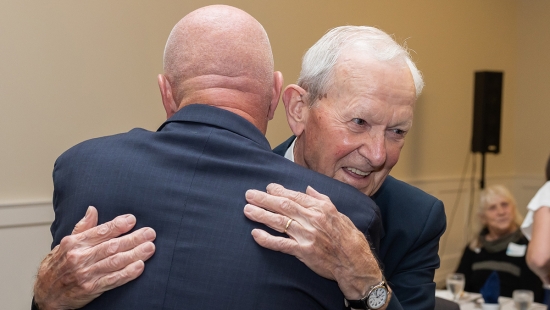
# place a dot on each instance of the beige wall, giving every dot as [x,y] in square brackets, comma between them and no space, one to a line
[73,70]
[532,104]
[76,70]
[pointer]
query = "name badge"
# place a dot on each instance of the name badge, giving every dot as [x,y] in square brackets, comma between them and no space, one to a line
[516,250]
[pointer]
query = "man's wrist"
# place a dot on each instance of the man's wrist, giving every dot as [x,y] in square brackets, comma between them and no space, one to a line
[362,273]
[377,296]
[360,284]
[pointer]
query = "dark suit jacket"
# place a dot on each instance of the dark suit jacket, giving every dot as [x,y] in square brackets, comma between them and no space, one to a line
[188,182]
[413,223]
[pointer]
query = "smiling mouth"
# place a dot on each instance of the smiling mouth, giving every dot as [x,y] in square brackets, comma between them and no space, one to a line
[357,172]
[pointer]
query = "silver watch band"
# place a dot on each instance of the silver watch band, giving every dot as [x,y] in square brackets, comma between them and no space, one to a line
[363,302]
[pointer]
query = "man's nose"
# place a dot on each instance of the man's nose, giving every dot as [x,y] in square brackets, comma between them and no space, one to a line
[373,149]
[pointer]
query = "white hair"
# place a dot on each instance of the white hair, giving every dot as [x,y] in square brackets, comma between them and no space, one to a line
[491,193]
[486,198]
[319,61]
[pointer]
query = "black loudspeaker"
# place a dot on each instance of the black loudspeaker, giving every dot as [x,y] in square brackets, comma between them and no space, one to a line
[487,110]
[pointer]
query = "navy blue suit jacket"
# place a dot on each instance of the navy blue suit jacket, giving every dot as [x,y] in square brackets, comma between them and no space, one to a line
[188,182]
[413,223]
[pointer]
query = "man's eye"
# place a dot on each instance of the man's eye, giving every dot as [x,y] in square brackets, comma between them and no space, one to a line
[399,132]
[359,121]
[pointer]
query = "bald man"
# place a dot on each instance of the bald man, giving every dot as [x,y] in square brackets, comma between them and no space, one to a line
[188,182]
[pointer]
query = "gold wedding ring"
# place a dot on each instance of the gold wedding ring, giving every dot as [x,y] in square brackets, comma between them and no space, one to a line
[288,224]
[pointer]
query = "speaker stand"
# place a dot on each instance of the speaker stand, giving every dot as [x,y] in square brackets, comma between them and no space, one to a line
[482,181]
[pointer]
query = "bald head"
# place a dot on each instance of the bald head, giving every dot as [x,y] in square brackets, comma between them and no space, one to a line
[218,40]
[218,53]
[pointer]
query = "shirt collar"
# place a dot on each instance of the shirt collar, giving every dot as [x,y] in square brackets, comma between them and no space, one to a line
[289,154]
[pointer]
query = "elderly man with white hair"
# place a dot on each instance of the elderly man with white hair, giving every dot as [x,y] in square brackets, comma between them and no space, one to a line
[350,112]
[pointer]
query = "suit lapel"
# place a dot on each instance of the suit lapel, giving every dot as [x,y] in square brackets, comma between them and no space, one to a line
[281,148]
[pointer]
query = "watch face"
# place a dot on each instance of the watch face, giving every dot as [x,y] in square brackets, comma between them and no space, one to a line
[377,298]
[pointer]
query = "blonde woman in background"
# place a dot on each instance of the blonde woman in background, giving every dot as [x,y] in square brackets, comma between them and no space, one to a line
[500,246]
[536,227]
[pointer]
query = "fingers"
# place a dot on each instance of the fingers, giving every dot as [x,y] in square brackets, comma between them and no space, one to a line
[302,199]
[276,204]
[280,244]
[88,221]
[275,221]
[121,277]
[132,244]
[121,260]
[83,250]
[125,275]
[112,229]
[287,202]
[313,193]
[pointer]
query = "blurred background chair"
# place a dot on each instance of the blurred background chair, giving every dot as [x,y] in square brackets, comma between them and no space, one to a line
[444,304]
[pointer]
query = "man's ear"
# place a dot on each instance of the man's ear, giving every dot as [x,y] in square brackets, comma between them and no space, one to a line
[168,101]
[276,92]
[296,108]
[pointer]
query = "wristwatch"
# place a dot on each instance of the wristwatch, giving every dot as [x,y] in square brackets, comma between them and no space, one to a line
[376,298]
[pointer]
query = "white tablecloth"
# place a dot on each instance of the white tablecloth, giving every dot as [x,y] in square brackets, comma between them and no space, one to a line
[473,301]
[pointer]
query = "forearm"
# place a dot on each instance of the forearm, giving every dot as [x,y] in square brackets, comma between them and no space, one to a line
[363,273]
[538,252]
[361,270]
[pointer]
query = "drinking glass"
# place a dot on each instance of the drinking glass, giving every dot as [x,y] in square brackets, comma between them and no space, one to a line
[455,284]
[522,299]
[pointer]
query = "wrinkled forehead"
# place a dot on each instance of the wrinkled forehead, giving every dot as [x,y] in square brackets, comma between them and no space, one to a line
[389,82]
[357,60]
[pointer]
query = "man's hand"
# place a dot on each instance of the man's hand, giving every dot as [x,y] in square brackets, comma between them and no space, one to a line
[91,261]
[321,237]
